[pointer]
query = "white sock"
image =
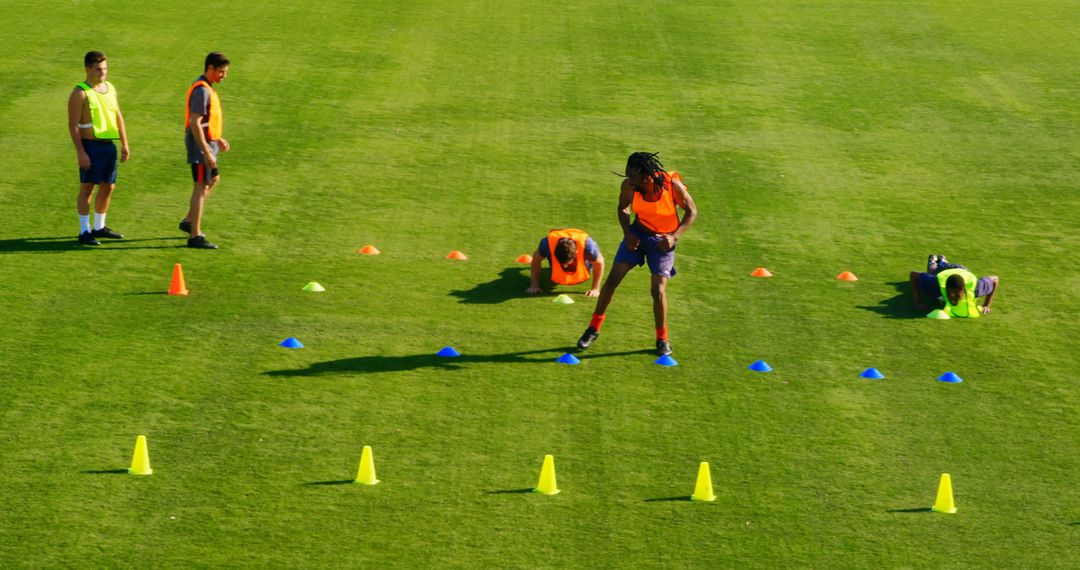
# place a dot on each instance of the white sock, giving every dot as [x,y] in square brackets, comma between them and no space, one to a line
[84,223]
[99,221]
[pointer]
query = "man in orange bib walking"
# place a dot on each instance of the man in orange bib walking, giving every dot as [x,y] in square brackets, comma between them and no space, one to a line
[573,255]
[203,139]
[652,194]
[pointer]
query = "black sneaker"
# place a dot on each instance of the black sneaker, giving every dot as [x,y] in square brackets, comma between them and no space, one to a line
[932,262]
[588,338]
[185,226]
[105,232]
[199,242]
[663,347]
[87,238]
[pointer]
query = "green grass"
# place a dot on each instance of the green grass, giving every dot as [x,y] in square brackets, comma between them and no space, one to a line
[815,137]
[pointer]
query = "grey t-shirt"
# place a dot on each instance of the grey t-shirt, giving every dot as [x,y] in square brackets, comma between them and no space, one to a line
[200,104]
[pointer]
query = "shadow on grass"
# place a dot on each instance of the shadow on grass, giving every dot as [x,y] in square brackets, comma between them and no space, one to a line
[899,306]
[372,364]
[511,491]
[70,243]
[511,284]
[325,483]
[915,510]
[686,498]
[105,472]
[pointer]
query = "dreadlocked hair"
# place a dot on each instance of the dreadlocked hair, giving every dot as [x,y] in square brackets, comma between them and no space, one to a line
[647,163]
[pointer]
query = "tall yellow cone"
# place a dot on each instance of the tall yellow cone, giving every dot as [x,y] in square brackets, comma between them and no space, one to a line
[944,502]
[703,487]
[366,474]
[140,462]
[547,477]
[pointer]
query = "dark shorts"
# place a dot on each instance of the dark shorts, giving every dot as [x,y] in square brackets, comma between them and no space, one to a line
[103,163]
[199,173]
[928,286]
[661,263]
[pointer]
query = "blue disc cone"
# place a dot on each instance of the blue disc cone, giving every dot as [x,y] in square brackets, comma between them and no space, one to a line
[950,377]
[291,342]
[448,352]
[568,359]
[760,366]
[872,373]
[666,360]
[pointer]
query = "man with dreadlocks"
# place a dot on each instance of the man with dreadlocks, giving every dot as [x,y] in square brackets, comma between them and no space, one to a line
[651,194]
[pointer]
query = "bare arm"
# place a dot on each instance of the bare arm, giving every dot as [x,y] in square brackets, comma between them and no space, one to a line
[990,295]
[626,207]
[597,276]
[125,152]
[75,107]
[683,199]
[200,140]
[534,275]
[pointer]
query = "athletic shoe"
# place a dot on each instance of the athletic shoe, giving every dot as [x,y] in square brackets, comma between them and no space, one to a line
[185,226]
[932,262]
[941,259]
[199,242]
[663,347]
[588,338]
[87,238]
[105,232]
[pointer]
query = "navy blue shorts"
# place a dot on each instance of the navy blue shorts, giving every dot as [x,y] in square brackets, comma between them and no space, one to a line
[199,174]
[661,263]
[103,163]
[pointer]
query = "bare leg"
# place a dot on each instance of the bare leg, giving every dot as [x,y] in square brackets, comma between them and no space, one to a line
[659,296]
[610,284]
[82,201]
[104,194]
[199,193]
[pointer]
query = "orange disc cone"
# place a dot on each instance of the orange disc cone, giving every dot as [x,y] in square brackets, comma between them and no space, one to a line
[369,250]
[177,287]
[760,272]
[524,258]
[457,255]
[847,276]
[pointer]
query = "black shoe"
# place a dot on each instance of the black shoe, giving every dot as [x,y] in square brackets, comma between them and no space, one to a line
[932,263]
[185,226]
[588,338]
[663,347]
[87,238]
[199,242]
[105,232]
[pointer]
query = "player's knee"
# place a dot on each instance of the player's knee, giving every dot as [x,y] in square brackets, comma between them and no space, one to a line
[658,291]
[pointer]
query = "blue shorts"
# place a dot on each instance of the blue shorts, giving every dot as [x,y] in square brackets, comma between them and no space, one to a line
[661,263]
[103,163]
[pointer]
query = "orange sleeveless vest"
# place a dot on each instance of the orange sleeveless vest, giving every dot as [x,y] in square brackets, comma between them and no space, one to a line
[214,122]
[658,216]
[581,271]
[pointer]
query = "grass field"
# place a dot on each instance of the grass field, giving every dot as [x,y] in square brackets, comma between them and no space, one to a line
[816,137]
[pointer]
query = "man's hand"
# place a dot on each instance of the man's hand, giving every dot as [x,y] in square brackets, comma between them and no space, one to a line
[84,160]
[592,293]
[632,242]
[985,310]
[125,153]
[534,290]
[667,242]
[224,145]
[211,162]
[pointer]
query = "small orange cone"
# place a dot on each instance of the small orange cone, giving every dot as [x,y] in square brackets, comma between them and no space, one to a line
[524,258]
[457,255]
[847,276]
[369,250]
[761,272]
[177,287]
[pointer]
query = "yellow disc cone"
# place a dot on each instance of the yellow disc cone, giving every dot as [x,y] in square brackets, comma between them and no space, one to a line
[547,484]
[140,462]
[703,487]
[944,502]
[366,474]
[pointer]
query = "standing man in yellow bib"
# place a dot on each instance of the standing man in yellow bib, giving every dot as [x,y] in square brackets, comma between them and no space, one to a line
[653,196]
[203,140]
[94,122]
[573,256]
